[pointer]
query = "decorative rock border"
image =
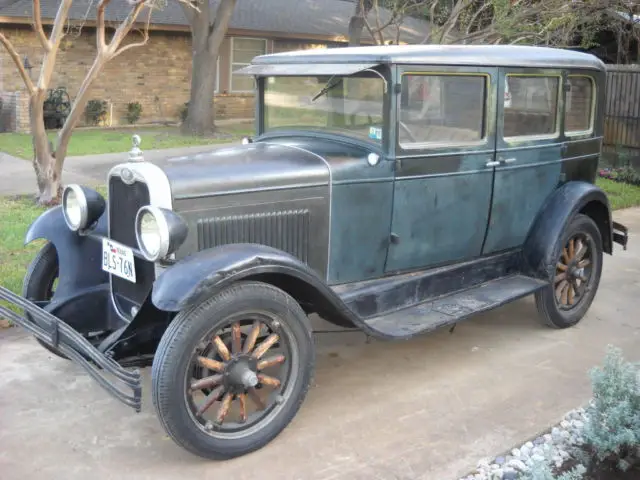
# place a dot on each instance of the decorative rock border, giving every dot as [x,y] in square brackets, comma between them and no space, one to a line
[551,448]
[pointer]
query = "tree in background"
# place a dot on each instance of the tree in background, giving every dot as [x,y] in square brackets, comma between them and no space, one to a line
[48,160]
[208,30]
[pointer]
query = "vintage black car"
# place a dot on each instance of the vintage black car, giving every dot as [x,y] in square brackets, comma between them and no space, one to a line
[392,189]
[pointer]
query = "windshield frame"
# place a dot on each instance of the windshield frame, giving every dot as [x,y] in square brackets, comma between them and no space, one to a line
[382,71]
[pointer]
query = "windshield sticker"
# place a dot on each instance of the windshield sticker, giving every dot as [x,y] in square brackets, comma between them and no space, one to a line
[375,133]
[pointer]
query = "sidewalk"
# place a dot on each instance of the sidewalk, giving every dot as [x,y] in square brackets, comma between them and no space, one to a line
[18,177]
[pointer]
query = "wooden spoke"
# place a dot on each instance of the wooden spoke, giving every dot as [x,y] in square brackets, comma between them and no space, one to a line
[211,364]
[253,394]
[570,293]
[563,293]
[270,362]
[224,407]
[572,249]
[560,287]
[242,398]
[565,256]
[210,400]
[250,342]
[266,345]
[584,263]
[222,348]
[237,338]
[559,278]
[269,381]
[206,382]
[561,266]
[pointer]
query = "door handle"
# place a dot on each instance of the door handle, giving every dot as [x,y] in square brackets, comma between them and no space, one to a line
[509,160]
[492,163]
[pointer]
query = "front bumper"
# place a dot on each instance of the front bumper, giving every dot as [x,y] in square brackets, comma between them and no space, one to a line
[620,234]
[59,335]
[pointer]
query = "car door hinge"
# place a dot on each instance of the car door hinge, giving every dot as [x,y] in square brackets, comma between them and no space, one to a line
[397,88]
[394,238]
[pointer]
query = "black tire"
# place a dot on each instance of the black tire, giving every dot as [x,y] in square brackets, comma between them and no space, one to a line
[555,312]
[38,282]
[175,354]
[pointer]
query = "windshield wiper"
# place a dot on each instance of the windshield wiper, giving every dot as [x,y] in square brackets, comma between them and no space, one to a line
[328,86]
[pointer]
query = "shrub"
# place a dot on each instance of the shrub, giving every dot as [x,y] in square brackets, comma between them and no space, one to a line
[95,111]
[612,430]
[626,174]
[542,471]
[183,111]
[134,110]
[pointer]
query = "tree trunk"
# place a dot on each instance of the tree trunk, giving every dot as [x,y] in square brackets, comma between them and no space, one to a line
[200,117]
[48,177]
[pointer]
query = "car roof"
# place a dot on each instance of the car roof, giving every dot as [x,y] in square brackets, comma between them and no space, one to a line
[478,55]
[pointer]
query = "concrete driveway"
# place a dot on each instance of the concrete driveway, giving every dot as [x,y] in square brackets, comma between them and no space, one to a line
[429,408]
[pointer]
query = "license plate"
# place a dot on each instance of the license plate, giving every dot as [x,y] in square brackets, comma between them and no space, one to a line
[118,260]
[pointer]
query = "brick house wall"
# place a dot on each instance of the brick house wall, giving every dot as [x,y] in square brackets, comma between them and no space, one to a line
[156,75]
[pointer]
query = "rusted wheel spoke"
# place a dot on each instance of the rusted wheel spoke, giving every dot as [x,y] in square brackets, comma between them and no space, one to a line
[563,293]
[584,263]
[242,398]
[250,342]
[561,266]
[559,278]
[572,249]
[206,382]
[269,381]
[210,400]
[224,407]
[270,362]
[570,293]
[237,338]
[560,287]
[211,364]
[253,394]
[266,345]
[222,348]
[565,256]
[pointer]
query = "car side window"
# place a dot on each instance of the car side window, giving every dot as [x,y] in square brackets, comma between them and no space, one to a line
[530,105]
[578,117]
[442,109]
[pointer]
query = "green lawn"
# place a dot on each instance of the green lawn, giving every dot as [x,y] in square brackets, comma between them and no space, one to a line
[17,213]
[96,141]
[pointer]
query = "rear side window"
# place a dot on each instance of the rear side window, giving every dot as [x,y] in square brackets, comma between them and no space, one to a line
[442,109]
[578,115]
[530,105]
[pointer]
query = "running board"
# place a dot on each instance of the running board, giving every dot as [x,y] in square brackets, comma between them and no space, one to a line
[447,310]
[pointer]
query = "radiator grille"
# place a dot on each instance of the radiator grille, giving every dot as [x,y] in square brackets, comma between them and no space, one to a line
[285,230]
[124,202]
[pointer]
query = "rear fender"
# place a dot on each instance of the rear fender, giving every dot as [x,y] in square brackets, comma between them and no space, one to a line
[79,256]
[542,246]
[197,277]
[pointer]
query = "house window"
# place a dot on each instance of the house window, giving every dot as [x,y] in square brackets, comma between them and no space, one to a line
[243,50]
[442,110]
[531,105]
[578,115]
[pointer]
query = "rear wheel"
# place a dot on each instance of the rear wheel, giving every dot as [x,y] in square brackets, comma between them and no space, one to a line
[578,267]
[230,373]
[40,281]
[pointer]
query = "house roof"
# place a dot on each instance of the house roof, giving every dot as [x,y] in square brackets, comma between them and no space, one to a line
[304,18]
[490,55]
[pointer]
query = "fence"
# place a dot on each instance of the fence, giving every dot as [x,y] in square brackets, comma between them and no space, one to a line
[622,115]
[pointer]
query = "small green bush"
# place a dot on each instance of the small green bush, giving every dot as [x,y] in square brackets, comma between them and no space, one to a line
[95,111]
[542,471]
[613,418]
[134,110]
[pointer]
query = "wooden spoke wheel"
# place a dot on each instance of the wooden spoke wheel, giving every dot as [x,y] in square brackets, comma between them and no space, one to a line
[577,271]
[230,373]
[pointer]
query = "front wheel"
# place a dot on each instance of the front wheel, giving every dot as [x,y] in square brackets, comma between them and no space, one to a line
[578,267]
[231,373]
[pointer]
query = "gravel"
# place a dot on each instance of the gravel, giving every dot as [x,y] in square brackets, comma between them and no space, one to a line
[551,448]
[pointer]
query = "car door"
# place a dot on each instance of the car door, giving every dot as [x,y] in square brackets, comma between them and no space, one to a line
[529,153]
[444,165]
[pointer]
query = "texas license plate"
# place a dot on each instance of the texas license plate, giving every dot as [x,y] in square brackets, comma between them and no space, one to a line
[118,260]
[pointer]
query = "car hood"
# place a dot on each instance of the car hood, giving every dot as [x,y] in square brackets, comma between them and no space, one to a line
[255,166]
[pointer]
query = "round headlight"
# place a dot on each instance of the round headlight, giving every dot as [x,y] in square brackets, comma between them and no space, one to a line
[159,232]
[81,206]
[74,207]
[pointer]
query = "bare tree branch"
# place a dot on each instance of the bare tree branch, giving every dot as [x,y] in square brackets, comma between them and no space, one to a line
[141,43]
[49,59]
[37,20]
[101,42]
[16,59]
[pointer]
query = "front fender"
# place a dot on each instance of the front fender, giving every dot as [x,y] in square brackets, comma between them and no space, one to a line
[542,246]
[202,274]
[79,256]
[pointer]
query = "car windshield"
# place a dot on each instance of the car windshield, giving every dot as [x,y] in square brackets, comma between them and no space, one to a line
[349,105]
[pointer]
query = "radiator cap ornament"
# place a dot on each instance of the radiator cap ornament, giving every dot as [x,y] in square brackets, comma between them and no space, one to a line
[135,154]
